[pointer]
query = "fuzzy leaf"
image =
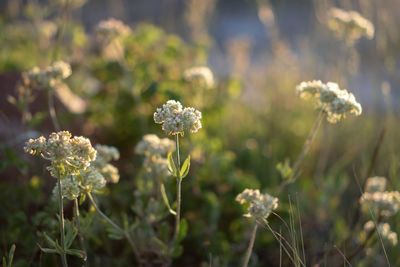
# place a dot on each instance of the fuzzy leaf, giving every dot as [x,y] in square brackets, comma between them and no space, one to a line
[165,198]
[76,252]
[171,165]
[185,168]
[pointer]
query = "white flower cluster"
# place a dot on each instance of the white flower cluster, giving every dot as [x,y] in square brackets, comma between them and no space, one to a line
[155,150]
[386,203]
[384,230]
[73,161]
[260,205]
[349,25]
[375,184]
[335,102]
[111,29]
[106,154]
[202,75]
[49,77]
[176,120]
[68,155]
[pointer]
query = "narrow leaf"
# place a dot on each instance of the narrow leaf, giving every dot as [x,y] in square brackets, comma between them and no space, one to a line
[11,255]
[171,165]
[185,168]
[76,252]
[49,240]
[165,198]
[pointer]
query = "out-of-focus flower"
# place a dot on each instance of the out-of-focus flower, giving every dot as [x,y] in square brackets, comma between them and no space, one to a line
[49,77]
[375,184]
[176,120]
[155,150]
[106,154]
[384,230]
[111,28]
[260,205]
[335,102]
[385,203]
[151,145]
[202,75]
[349,25]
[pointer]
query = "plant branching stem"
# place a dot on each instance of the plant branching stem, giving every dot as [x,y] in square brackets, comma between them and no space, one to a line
[118,228]
[250,247]
[62,225]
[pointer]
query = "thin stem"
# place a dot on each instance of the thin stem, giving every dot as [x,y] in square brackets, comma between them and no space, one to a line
[306,147]
[62,226]
[250,247]
[52,110]
[78,225]
[178,192]
[118,228]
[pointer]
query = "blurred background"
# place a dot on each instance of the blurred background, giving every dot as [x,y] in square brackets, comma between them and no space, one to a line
[253,120]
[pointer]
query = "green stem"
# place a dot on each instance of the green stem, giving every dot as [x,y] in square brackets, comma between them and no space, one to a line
[250,247]
[78,225]
[178,192]
[52,110]
[118,228]
[62,225]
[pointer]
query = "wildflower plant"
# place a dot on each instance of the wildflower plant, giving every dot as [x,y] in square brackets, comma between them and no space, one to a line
[177,120]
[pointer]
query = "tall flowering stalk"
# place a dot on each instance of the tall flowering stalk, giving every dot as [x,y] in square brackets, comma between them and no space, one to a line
[176,120]
[335,104]
[68,156]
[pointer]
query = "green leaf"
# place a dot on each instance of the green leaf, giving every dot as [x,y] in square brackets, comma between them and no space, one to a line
[76,252]
[165,198]
[171,165]
[49,250]
[185,168]
[177,251]
[82,199]
[49,240]
[71,233]
[11,255]
[183,229]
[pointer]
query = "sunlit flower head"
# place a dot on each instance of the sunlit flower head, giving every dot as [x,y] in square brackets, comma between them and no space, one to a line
[375,184]
[260,206]
[112,28]
[106,154]
[176,120]
[335,102]
[349,25]
[385,203]
[202,75]
[48,77]
[151,145]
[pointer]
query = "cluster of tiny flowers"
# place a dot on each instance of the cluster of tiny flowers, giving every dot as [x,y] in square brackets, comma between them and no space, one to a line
[335,102]
[48,77]
[201,75]
[106,154]
[71,154]
[111,29]
[155,150]
[349,25]
[176,120]
[73,161]
[386,203]
[384,230]
[260,205]
[375,184]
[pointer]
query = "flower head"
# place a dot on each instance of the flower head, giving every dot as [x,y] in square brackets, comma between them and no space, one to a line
[349,25]
[66,153]
[386,203]
[384,230]
[176,120]
[112,28]
[260,206]
[49,77]
[335,102]
[202,75]
[106,154]
[375,184]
